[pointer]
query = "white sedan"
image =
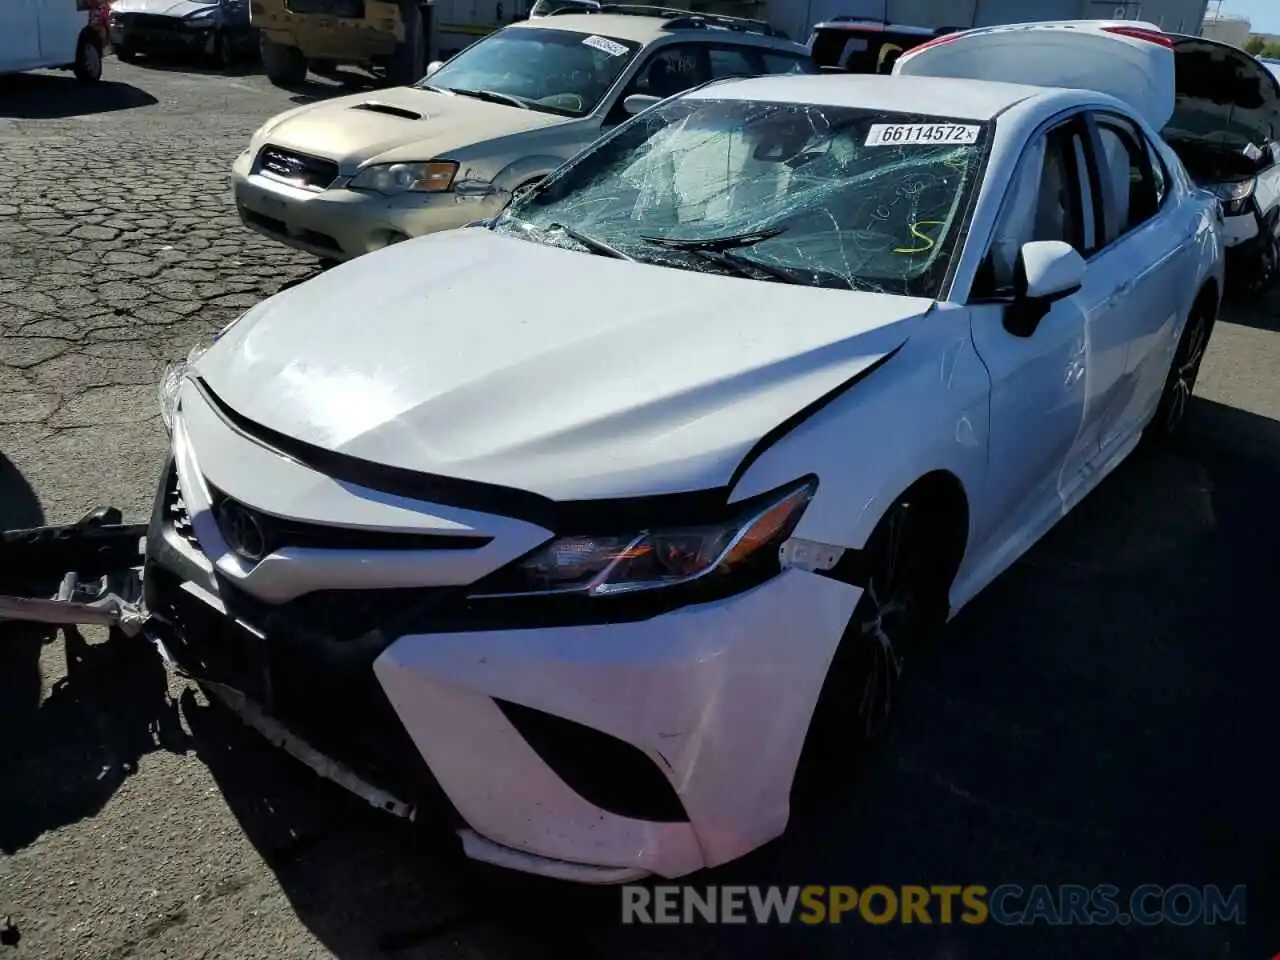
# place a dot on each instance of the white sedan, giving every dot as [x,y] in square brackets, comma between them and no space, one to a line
[601,515]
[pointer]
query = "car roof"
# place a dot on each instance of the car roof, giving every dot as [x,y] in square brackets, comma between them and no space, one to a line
[646,29]
[931,96]
[863,25]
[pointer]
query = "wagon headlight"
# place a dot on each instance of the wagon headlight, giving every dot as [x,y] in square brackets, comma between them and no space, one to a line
[1235,195]
[200,22]
[396,178]
[607,566]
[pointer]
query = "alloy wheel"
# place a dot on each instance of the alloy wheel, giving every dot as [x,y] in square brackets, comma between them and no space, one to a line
[1185,371]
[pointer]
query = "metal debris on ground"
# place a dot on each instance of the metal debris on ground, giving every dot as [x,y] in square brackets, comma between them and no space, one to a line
[96,562]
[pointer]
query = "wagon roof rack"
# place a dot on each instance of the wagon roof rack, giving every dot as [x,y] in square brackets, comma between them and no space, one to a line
[677,19]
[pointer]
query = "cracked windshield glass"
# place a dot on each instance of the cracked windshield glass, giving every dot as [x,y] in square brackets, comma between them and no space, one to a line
[554,71]
[793,193]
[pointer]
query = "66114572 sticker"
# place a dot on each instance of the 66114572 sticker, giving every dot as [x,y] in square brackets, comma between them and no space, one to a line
[905,134]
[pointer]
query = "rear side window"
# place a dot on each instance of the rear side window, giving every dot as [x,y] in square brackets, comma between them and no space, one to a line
[1131,194]
[787,63]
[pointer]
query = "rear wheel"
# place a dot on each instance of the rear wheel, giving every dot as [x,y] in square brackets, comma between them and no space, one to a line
[1183,373]
[410,60]
[284,66]
[88,65]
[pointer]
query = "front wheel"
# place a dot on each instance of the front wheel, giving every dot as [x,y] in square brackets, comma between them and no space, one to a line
[88,65]
[284,66]
[222,56]
[909,567]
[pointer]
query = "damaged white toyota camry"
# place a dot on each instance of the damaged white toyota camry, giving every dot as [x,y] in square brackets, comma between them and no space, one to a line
[592,518]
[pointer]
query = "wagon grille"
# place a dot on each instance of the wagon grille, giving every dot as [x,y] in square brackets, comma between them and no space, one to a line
[297,168]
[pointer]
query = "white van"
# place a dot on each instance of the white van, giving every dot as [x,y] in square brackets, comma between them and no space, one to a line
[63,34]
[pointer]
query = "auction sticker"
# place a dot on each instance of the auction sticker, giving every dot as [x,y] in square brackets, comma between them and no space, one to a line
[611,47]
[904,134]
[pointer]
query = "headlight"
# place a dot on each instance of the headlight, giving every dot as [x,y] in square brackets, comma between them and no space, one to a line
[607,566]
[1235,195]
[174,374]
[394,178]
[200,23]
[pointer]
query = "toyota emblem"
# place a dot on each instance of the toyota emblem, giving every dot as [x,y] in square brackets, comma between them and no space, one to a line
[243,531]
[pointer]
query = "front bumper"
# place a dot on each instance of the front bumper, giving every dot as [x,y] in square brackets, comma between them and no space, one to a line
[337,223]
[175,39]
[593,752]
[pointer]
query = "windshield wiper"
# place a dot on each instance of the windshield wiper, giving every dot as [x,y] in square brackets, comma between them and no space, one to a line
[591,243]
[741,266]
[717,244]
[492,96]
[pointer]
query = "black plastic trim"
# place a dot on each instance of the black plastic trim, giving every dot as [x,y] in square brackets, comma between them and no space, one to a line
[610,773]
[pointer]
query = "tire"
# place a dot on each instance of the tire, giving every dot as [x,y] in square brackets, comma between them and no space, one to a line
[1184,370]
[284,66]
[88,65]
[1266,268]
[126,55]
[905,604]
[409,62]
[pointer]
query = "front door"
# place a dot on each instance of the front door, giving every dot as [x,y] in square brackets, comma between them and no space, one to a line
[1044,387]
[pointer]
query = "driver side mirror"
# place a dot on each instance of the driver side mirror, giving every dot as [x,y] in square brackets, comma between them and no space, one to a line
[432,67]
[1047,271]
[639,102]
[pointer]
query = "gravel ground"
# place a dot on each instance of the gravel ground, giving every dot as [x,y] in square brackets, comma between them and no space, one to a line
[1098,716]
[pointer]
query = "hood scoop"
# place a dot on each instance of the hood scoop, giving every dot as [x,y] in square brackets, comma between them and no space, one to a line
[376,106]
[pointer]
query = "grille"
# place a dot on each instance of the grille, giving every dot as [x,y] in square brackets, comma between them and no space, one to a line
[175,511]
[297,168]
[271,533]
[152,22]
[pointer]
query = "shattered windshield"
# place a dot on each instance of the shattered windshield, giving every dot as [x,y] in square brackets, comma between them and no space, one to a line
[554,71]
[794,193]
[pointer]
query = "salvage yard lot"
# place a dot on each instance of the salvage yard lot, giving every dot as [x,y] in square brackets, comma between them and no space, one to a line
[1103,714]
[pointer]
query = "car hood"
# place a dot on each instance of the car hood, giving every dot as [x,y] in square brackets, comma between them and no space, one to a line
[478,356]
[168,8]
[402,123]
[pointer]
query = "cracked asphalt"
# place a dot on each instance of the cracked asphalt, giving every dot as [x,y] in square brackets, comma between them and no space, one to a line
[1103,714]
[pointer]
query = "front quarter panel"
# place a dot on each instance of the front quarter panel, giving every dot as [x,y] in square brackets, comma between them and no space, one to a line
[924,410]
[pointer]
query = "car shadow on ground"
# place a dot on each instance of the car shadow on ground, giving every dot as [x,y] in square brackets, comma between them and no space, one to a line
[1102,714]
[63,755]
[1259,310]
[241,66]
[58,96]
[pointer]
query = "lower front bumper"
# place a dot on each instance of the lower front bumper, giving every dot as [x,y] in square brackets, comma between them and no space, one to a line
[167,41]
[341,224]
[593,752]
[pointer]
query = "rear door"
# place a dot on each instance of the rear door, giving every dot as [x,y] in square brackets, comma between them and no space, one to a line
[19,35]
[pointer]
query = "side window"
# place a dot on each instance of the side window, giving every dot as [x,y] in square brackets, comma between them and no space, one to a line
[1130,196]
[724,62]
[787,63]
[1046,202]
[671,70]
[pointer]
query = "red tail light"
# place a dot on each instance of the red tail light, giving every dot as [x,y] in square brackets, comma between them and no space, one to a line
[936,41]
[1139,33]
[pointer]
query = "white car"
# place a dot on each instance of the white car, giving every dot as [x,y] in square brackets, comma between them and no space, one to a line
[586,513]
[355,174]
